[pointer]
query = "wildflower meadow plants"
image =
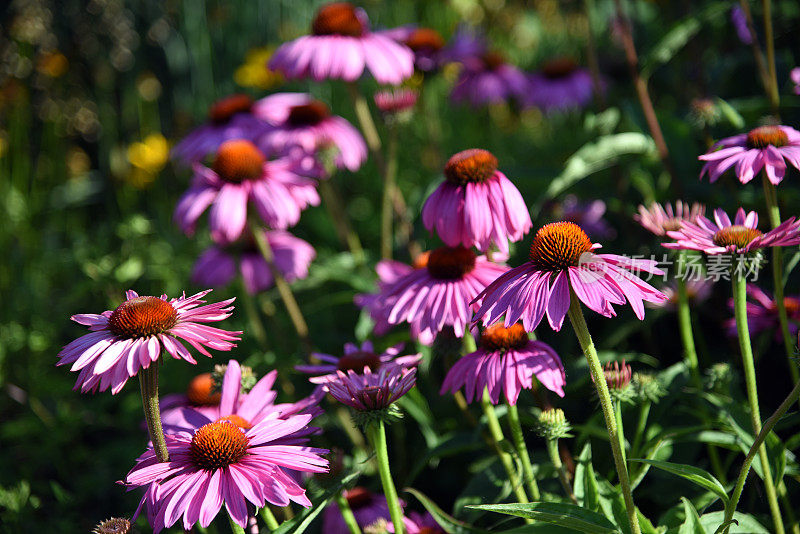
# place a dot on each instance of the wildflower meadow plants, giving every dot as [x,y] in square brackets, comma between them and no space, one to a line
[337,245]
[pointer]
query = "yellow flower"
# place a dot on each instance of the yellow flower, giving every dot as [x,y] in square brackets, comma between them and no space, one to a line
[254,72]
[151,154]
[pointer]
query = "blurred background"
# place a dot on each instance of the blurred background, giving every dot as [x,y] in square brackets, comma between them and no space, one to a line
[94,93]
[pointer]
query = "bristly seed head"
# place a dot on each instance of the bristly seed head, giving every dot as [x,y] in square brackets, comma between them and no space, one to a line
[559,245]
[558,68]
[338,18]
[424,39]
[201,391]
[224,109]
[238,160]
[142,317]
[499,338]
[736,235]
[217,445]
[450,263]
[115,525]
[473,166]
[308,114]
[764,136]
[237,420]
[356,361]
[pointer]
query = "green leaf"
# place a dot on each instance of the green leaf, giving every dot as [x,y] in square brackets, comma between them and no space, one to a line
[692,523]
[450,524]
[301,522]
[562,514]
[700,477]
[747,523]
[595,156]
[586,489]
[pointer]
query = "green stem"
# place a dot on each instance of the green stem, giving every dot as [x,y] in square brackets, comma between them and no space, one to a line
[253,317]
[685,326]
[377,435]
[289,302]
[341,222]
[269,518]
[347,514]
[751,454]
[148,385]
[644,412]
[774,96]
[522,450]
[555,458]
[235,528]
[585,339]
[388,194]
[620,431]
[740,312]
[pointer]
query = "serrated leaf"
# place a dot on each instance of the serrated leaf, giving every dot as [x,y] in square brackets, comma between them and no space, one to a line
[450,524]
[562,514]
[691,473]
[747,523]
[691,525]
[300,523]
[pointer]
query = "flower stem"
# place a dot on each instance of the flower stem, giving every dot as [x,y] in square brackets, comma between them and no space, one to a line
[522,450]
[269,518]
[235,528]
[289,302]
[388,194]
[341,223]
[148,384]
[757,54]
[774,96]
[347,514]
[641,426]
[620,432]
[685,326]
[585,339]
[751,454]
[253,317]
[771,196]
[555,458]
[740,312]
[377,434]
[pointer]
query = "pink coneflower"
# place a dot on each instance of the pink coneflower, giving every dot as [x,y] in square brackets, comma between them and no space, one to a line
[795,77]
[762,313]
[586,214]
[476,205]
[489,79]
[341,46]
[357,358]
[766,147]
[243,409]
[426,43]
[559,85]
[738,237]
[216,267]
[241,175]
[562,262]
[299,120]
[697,291]
[659,219]
[389,271]
[368,391]
[228,118]
[439,295]
[129,338]
[368,508]
[506,362]
[392,102]
[221,462]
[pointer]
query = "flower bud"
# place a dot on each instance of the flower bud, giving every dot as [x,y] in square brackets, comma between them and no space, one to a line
[553,424]
[115,525]
[618,379]
[647,387]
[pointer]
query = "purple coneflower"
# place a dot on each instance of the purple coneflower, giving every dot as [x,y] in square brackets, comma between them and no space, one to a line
[356,359]
[588,215]
[299,120]
[389,271]
[368,508]
[795,77]
[559,85]
[489,79]
[659,219]
[392,102]
[738,237]
[368,391]
[762,313]
[438,295]
[506,362]
[228,118]
[417,523]
[341,46]
[426,44]
[245,410]
[241,175]
[563,263]
[476,205]
[765,147]
[697,291]
[216,267]
[129,338]
[223,463]
[739,20]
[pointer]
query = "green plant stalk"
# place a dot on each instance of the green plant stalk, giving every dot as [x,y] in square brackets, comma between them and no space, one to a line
[751,454]
[685,326]
[641,426]
[341,223]
[585,340]
[740,312]
[347,514]
[620,431]
[757,54]
[289,302]
[377,434]
[269,518]
[253,317]
[235,528]
[771,196]
[148,385]
[774,95]
[389,186]
[522,451]
[555,458]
